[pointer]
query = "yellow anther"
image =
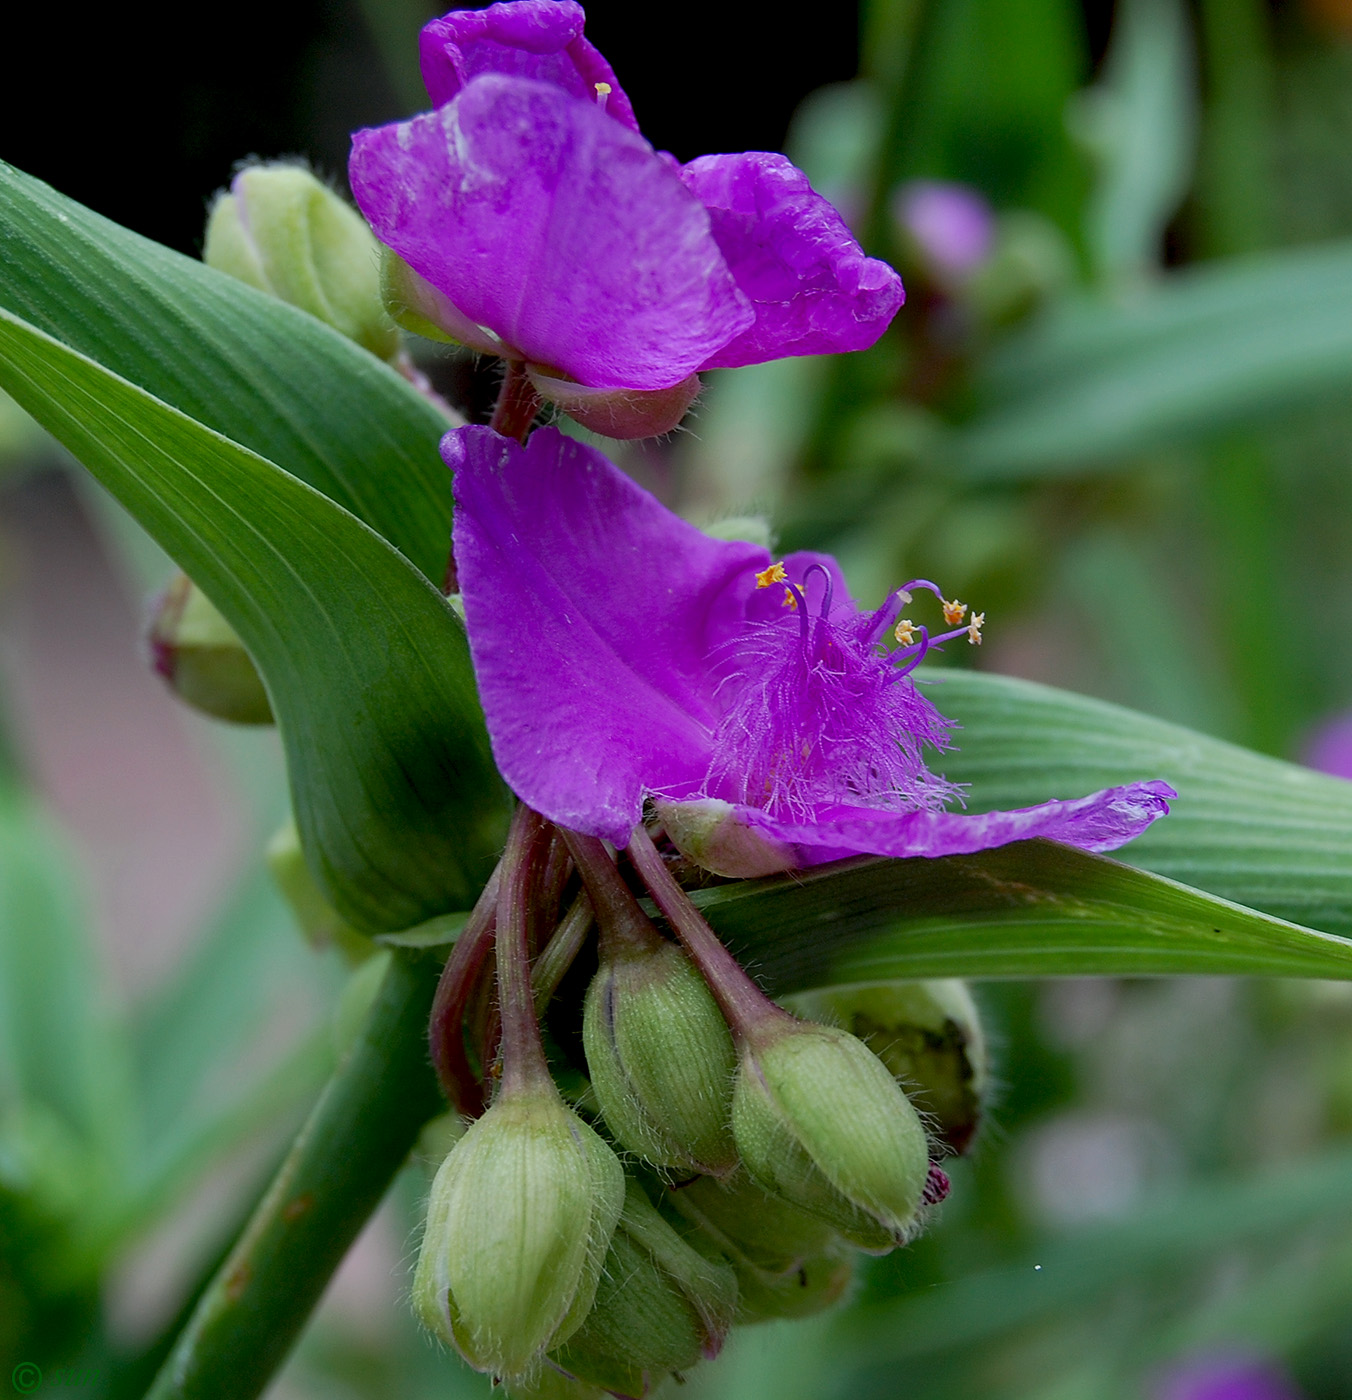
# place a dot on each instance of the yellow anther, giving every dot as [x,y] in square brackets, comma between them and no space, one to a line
[603,90]
[790,601]
[774,574]
[974,628]
[905,631]
[953,612]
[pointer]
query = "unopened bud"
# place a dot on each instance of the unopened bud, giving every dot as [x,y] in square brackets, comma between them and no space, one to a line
[928,1034]
[811,1286]
[788,1263]
[618,413]
[661,1059]
[519,1220]
[749,1224]
[201,656]
[550,1384]
[819,1120]
[752,529]
[660,1306]
[286,233]
[319,921]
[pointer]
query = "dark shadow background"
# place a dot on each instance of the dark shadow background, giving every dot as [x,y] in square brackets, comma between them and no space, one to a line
[142,113]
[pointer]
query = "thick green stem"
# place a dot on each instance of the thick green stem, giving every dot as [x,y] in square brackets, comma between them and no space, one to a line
[358,1136]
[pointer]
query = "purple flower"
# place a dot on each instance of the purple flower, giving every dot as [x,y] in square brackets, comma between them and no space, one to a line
[622,654]
[1226,1378]
[550,231]
[1330,748]
[951,225]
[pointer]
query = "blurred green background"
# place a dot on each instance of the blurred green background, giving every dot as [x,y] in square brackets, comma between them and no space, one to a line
[1115,415]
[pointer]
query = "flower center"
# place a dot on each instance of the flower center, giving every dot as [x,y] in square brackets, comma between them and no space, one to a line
[822,712]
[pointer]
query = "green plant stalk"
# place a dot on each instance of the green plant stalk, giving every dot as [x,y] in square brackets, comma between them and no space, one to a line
[1235,179]
[1236,217]
[335,1175]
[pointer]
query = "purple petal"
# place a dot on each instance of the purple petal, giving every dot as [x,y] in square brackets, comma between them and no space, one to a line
[1330,748]
[1233,1377]
[539,39]
[588,606]
[813,290]
[1103,821]
[557,228]
[952,225]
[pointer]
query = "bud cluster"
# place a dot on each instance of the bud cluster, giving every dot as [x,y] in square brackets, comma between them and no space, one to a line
[722,1161]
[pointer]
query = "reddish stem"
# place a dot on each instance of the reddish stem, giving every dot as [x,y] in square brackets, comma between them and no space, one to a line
[745,1007]
[524,1066]
[446,1029]
[622,922]
[517,404]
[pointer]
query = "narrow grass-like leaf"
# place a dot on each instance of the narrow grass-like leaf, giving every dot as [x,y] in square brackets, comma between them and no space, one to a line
[1209,349]
[398,803]
[1267,834]
[260,372]
[1033,909]
[59,1048]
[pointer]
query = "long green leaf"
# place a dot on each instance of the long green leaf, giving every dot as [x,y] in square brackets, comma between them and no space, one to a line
[59,1050]
[394,788]
[1224,345]
[1267,834]
[1033,909]
[258,371]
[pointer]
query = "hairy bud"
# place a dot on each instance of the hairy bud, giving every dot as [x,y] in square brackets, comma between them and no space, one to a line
[820,1121]
[519,1220]
[749,1224]
[660,1306]
[811,1286]
[286,233]
[928,1034]
[661,1059]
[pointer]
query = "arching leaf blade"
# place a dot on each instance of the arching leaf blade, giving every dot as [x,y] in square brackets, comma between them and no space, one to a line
[398,802]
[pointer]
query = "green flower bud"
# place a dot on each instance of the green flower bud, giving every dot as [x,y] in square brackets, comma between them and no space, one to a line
[551,1385]
[319,921]
[820,1121]
[928,1034]
[518,1223]
[286,233]
[754,529]
[660,1306]
[750,1225]
[197,651]
[815,1284]
[661,1059]
[788,1263]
